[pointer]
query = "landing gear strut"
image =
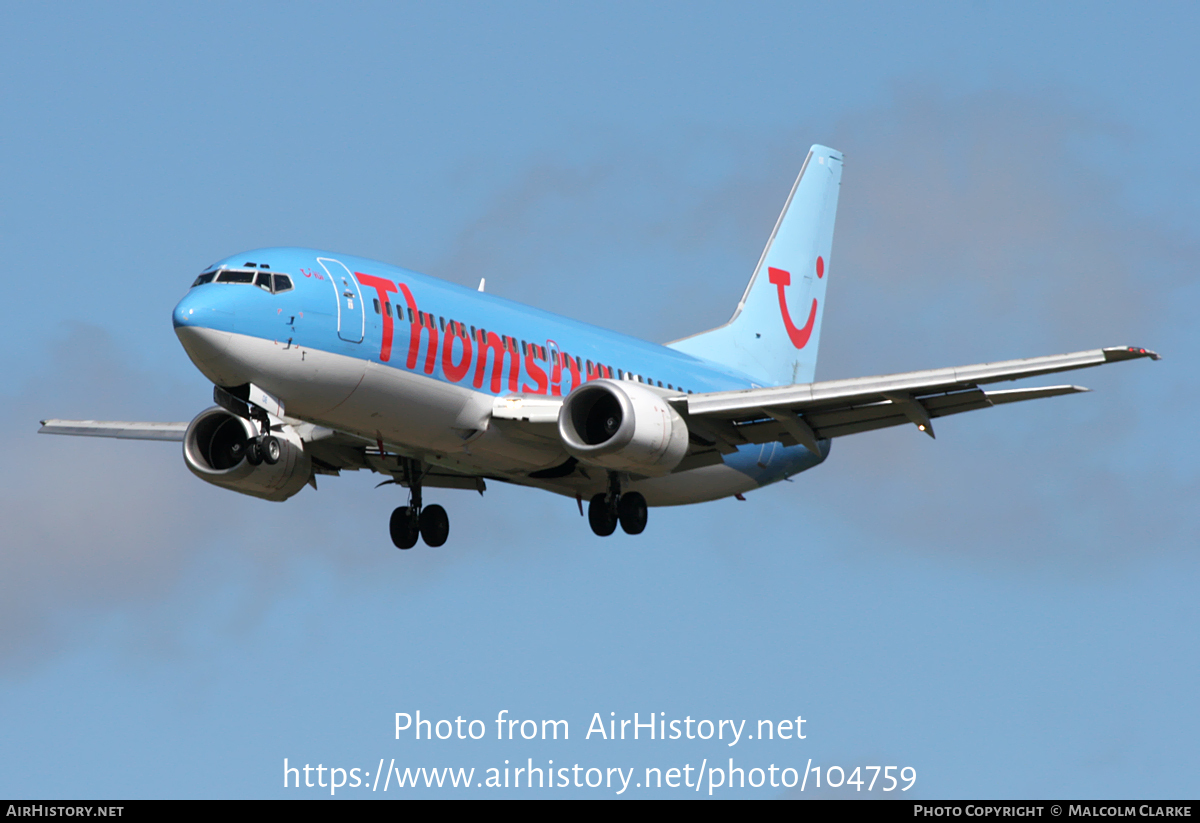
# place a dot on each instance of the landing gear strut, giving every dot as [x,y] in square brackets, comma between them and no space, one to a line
[606,510]
[408,522]
[264,447]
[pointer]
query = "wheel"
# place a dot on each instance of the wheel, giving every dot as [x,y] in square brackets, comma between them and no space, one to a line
[254,454]
[435,525]
[403,527]
[601,517]
[271,449]
[632,512]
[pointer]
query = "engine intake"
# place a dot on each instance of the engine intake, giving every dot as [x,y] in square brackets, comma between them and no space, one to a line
[622,426]
[213,448]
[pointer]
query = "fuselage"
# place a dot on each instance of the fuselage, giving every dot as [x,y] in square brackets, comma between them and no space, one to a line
[416,364]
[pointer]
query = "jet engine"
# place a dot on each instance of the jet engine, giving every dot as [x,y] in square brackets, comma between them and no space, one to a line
[622,426]
[215,449]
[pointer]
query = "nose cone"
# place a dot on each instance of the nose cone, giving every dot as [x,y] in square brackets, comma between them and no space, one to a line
[182,314]
[204,324]
[206,306]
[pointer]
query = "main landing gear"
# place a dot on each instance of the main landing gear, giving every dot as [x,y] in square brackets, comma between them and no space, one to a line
[606,510]
[412,521]
[265,448]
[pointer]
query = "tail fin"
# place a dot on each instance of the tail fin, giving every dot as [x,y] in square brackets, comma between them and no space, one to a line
[774,331]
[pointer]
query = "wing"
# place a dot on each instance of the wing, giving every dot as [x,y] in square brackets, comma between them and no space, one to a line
[115,428]
[809,412]
[331,451]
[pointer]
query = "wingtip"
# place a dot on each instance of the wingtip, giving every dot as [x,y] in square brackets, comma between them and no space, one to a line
[1129,353]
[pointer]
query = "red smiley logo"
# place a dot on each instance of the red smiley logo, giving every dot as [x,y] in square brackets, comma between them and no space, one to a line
[781,278]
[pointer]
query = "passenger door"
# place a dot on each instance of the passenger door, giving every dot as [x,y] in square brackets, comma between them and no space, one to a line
[351,318]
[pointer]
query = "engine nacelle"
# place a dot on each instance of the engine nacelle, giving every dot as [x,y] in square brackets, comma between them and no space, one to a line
[622,426]
[211,450]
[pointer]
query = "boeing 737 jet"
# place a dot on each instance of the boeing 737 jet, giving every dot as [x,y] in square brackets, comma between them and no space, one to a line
[323,363]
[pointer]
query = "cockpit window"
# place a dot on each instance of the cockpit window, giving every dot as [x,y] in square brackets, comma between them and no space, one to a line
[265,280]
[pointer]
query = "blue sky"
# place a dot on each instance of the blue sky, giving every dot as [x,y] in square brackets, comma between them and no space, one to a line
[1009,609]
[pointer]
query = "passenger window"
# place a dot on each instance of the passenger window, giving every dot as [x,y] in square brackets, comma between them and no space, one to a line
[410,314]
[376,302]
[387,308]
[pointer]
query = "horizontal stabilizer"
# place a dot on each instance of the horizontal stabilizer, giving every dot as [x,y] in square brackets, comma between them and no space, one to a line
[115,428]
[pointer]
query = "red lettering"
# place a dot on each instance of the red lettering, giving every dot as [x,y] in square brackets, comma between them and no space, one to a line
[415,329]
[382,287]
[573,366]
[456,372]
[555,369]
[535,371]
[498,346]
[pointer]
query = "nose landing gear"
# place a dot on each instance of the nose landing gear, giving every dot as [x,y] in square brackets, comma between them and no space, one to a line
[606,510]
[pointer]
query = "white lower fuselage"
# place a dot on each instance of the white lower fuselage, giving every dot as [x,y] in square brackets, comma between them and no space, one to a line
[425,415]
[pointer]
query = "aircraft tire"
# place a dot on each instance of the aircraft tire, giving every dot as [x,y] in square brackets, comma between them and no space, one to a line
[254,455]
[403,528]
[601,518]
[271,449]
[632,512]
[435,525]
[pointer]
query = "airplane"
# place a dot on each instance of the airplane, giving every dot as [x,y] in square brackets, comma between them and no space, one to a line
[324,362]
